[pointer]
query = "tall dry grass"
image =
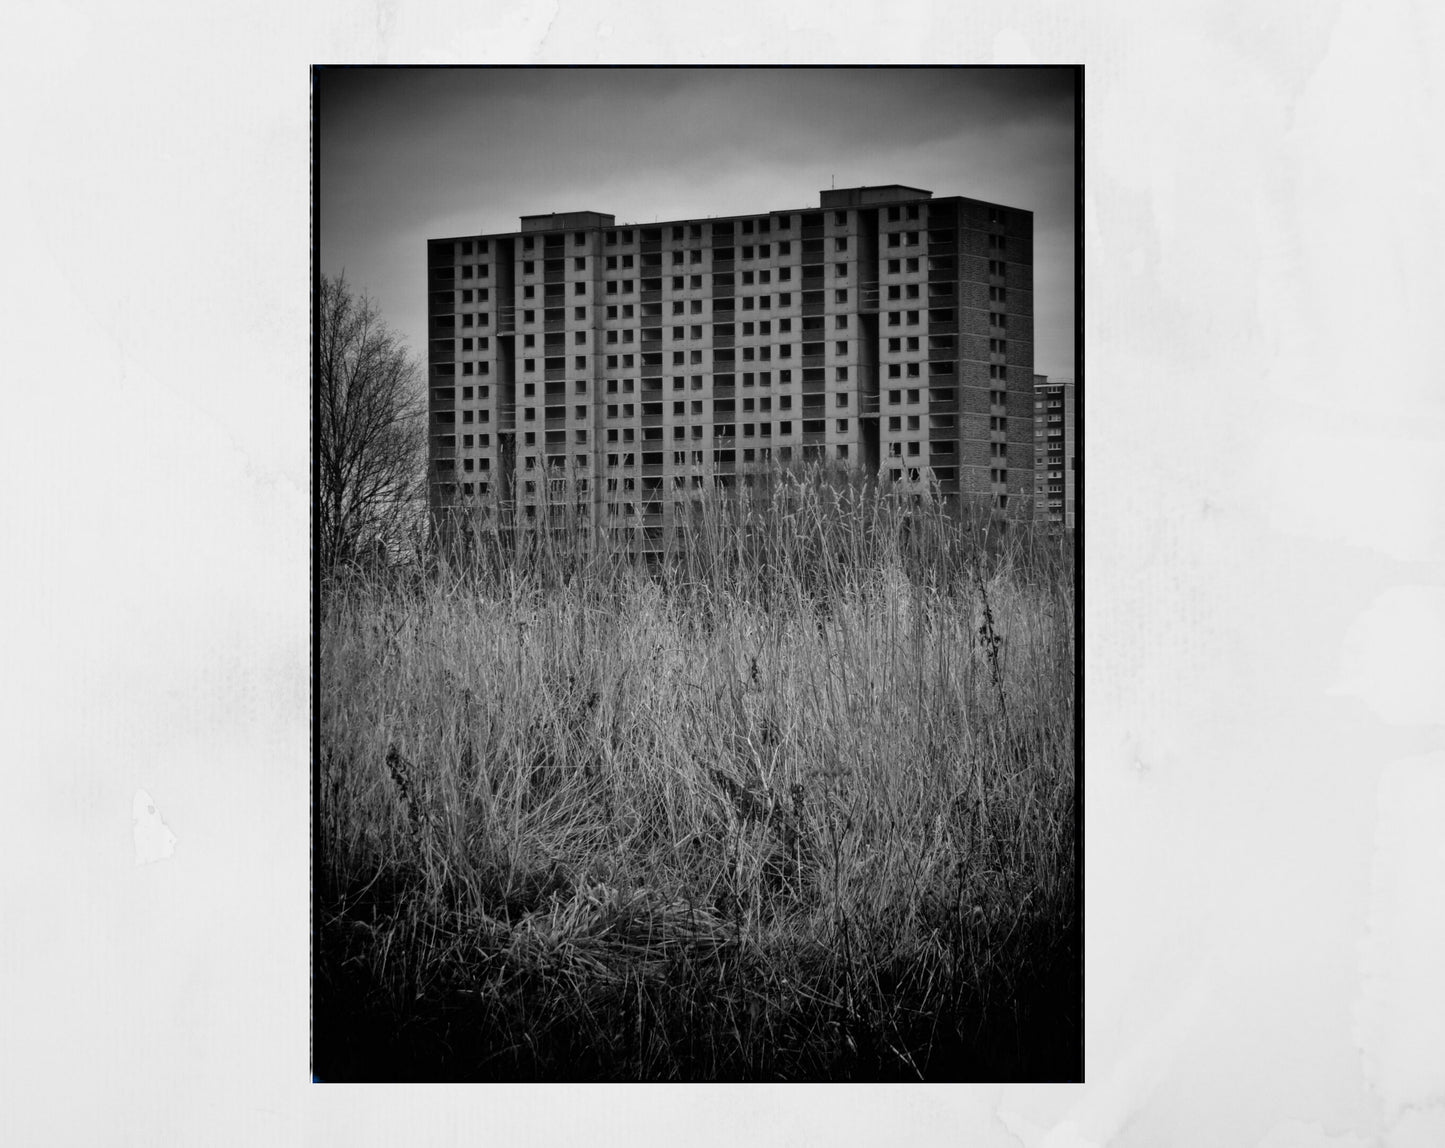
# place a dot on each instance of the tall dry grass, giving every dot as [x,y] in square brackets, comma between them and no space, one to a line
[795,803]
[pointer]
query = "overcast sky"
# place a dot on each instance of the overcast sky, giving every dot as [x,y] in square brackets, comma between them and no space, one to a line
[411,154]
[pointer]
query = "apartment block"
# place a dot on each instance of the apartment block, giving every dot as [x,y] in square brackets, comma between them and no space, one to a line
[579,367]
[1054,482]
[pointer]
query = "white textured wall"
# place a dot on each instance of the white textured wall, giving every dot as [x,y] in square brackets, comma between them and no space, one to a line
[1265,646]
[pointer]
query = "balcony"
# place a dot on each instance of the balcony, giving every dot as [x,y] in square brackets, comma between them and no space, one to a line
[868,296]
[506,320]
[652,296]
[723,266]
[724,390]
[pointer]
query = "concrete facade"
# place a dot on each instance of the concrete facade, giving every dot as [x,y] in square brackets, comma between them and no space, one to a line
[1054,477]
[885,329]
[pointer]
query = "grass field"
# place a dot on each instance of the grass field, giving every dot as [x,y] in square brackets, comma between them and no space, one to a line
[796,804]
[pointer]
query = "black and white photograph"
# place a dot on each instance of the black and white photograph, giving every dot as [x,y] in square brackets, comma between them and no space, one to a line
[696,554]
[552,592]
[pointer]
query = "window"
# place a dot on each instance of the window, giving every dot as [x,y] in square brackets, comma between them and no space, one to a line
[527,267]
[840,218]
[841,374]
[840,296]
[580,263]
[842,399]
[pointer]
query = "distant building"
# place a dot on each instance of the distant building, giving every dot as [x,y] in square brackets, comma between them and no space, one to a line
[885,329]
[1054,450]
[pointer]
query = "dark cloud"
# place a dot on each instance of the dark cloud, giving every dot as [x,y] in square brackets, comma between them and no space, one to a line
[410,153]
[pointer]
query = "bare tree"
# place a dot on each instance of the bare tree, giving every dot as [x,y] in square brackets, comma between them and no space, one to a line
[371,431]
